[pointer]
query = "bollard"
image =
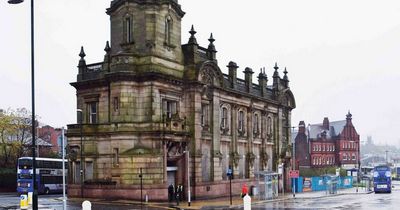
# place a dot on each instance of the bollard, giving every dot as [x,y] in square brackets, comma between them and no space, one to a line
[23,201]
[30,198]
[247,202]
[86,205]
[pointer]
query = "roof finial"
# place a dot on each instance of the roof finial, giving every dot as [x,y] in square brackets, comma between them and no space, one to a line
[192,39]
[82,53]
[107,48]
[82,62]
[285,77]
[276,66]
[211,45]
[276,74]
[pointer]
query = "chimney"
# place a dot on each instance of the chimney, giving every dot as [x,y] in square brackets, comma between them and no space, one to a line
[262,82]
[232,66]
[325,124]
[248,77]
[302,127]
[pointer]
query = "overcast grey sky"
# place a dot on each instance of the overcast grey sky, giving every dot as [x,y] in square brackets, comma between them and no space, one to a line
[341,55]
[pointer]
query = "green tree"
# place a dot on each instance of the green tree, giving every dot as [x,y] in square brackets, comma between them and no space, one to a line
[15,133]
[5,130]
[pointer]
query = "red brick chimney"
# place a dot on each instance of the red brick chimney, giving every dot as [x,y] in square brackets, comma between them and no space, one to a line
[325,124]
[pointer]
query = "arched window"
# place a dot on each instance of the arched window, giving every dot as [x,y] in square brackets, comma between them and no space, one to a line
[224,118]
[241,121]
[256,125]
[168,30]
[269,128]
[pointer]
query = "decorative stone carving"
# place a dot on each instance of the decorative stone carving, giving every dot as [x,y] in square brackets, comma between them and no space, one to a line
[264,158]
[234,158]
[175,149]
[250,158]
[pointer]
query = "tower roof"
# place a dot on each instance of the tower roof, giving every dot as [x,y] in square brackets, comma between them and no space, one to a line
[115,4]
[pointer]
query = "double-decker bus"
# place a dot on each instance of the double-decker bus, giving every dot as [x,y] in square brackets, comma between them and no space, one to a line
[382,179]
[49,176]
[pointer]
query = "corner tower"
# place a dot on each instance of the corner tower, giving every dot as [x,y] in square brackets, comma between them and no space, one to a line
[146,36]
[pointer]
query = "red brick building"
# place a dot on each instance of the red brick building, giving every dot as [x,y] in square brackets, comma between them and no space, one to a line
[52,136]
[328,144]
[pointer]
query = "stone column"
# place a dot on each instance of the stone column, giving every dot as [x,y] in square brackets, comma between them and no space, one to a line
[234,144]
[216,140]
[249,152]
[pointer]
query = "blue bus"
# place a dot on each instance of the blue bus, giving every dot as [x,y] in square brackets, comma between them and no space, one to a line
[382,179]
[49,176]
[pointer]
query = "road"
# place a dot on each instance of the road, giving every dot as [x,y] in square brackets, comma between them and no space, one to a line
[321,201]
[347,201]
[10,201]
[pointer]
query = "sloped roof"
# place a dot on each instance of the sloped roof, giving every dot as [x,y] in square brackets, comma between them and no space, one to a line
[39,142]
[335,128]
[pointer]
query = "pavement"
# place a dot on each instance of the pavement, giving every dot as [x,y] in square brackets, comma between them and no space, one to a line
[237,201]
[224,202]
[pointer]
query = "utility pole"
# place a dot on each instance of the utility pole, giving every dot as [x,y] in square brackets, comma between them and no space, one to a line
[63,168]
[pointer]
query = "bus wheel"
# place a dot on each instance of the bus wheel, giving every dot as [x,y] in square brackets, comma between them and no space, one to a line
[46,191]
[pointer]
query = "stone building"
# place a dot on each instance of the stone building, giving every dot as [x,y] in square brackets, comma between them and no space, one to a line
[164,110]
[328,144]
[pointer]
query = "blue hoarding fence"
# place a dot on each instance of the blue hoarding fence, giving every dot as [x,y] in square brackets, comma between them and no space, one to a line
[321,183]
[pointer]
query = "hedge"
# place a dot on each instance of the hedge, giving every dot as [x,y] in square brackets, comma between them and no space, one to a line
[8,179]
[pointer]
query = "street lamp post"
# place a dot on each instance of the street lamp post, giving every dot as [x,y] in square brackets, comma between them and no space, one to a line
[188,177]
[35,192]
[294,163]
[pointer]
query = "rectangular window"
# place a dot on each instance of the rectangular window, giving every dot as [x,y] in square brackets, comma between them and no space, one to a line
[92,110]
[88,170]
[115,156]
[204,114]
[169,108]
[128,26]
[116,104]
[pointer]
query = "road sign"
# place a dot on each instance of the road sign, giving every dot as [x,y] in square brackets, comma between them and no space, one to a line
[294,173]
[280,169]
[229,172]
